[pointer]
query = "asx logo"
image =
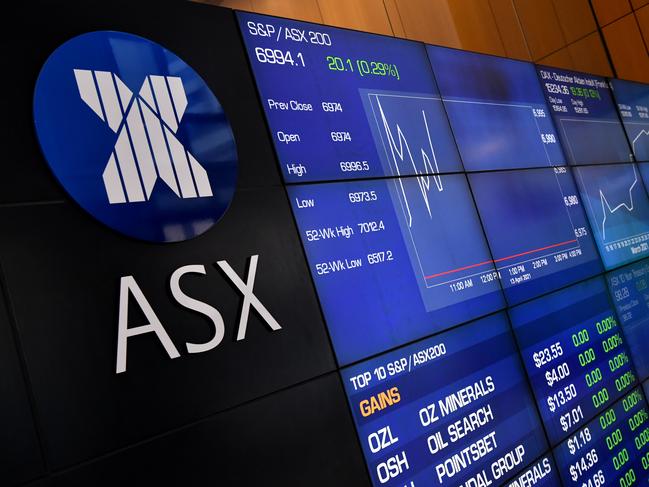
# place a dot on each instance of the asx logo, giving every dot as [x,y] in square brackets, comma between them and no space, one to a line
[147,182]
[146,145]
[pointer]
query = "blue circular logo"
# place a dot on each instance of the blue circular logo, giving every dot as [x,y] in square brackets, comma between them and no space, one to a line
[135,136]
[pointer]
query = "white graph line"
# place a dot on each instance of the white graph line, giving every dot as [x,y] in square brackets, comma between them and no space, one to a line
[606,205]
[640,134]
[399,148]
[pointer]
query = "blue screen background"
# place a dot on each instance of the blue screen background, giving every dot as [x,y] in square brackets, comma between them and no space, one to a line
[533,235]
[497,110]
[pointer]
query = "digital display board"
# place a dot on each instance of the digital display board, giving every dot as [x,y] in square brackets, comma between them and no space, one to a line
[618,209]
[536,229]
[575,355]
[629,288]
[497,110]
[394,259]
[343,105]
[612,449]
[586,117]
[431,189]
[454,409]
[633,106]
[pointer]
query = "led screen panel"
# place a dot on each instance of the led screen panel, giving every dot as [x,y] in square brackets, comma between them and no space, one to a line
[497,110]
[454,409]
[633,105]
[536,229]
[618,209]
[585,116]
[629,288]
[612,449]
[394,259]
[343,104]
[574,353]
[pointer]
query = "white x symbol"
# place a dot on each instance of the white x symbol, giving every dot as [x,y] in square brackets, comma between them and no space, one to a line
[146,147]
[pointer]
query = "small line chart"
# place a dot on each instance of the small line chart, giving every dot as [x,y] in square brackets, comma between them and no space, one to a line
[618,208]
[608,209]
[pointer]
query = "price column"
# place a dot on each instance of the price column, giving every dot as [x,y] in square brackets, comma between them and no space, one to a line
[613,449]
[574,353]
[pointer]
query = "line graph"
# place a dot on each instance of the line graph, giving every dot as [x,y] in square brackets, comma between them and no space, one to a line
[435,211]
[399,149]
[618,209]
[639,136]
[606,206]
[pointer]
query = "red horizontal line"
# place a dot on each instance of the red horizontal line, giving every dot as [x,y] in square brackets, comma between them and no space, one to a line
[501,259]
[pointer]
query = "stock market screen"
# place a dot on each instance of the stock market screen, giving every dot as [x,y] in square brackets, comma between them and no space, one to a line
[616,202]
[497,111]
[536,229]
[629,288]
[458,213]
[343,105]
[633,106]
[575,354]
[585,116]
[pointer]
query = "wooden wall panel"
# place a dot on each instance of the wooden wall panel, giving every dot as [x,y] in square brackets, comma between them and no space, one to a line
[638,3]
[608,11]
[540,26]
[511,32]
[643,20]
[588,55]
[558,59]
[476,27]
[428,21]
[575,18]
[307,10]
[367,15]
[627,49]
[395,18]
